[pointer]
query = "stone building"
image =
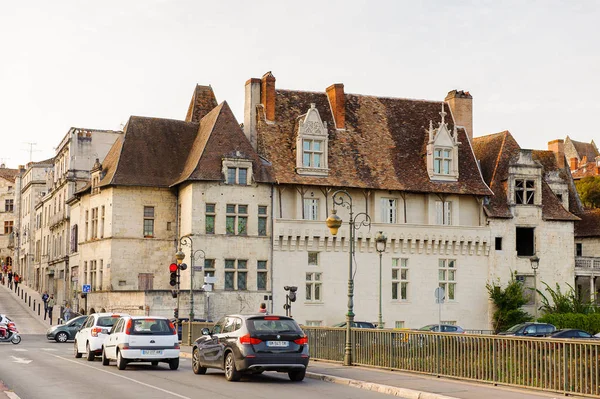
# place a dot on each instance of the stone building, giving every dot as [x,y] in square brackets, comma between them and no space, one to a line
[165,180]
[8,217]
[583,158]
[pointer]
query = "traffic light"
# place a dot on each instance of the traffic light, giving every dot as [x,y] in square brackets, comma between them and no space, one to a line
[292,294]
[173,269]
[176,313]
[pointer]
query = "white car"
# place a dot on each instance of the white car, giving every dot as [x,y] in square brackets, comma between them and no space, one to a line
[91,335]
[142,339]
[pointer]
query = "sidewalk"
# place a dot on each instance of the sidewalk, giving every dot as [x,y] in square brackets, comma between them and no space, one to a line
[33,297]
[409,385]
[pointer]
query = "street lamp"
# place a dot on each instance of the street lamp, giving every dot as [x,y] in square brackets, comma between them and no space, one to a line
[342,198]
[187,240]
[380,244]
[535,263]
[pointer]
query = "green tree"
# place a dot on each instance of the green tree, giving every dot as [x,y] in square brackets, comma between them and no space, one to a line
[589,191]
[507,304]
[564,302]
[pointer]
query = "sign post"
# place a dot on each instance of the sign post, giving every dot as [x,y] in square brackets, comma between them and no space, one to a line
[440,295]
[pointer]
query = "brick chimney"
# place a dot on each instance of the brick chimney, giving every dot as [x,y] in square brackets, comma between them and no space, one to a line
[573,163]
[337,101]
[252,99]
[558,148]
[461,106]
[267,95]
[584,160]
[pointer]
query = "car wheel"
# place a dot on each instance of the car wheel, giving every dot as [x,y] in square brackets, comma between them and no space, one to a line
[196,367]
[121,363]
[231,374]
[297,375]
[174,363]
[76,351]
[105,360]
[154,363]
[61,337]
[90,355]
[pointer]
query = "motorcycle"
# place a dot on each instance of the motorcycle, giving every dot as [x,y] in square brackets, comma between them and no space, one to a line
[11,334]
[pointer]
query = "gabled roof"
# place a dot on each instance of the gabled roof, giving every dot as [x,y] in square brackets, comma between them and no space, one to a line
[9,174]
[202,102]
[496,153]
[589,226]
[383,145]
[582,149]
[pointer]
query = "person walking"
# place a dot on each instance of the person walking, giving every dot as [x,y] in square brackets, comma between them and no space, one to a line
[10,276]
[45,299]
[17,279]
[67,313]
[51,303]
[262,308]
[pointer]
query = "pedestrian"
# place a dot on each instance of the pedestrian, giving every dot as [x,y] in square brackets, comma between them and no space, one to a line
[67,313]
[262,308]
[17,279]
[10,276]
[51,303]
[45,299]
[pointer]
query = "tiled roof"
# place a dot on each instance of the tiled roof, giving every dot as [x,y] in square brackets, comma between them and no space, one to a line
[9,174]
[383,145]
[203,101]
[586,170]
[496,153]
[585,149]
[589,226]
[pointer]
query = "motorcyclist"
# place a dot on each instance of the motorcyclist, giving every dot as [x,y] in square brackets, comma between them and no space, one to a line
[3,327]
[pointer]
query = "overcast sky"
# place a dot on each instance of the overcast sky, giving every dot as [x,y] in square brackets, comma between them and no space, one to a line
[531,66]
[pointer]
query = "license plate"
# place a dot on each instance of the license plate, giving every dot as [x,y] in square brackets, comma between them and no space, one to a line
[281,344]
[151,352]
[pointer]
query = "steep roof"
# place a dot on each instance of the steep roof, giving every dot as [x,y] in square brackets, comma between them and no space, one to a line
[496,152]
[383,145]
[9,174]
[588,150]
[202,102]
[589,226]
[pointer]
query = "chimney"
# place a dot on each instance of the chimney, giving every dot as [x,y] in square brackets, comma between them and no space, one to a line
[337,101]
[461,106]
[573,163]
[267,95]
[252,99]
[558,148]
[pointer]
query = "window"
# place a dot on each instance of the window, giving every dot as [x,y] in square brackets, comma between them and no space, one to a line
[236,274]
[388,210]
[74,238]
[442,161]
[312,153]
[148,221]
[237,176]
[262,220]
[524,191]
[9,205]
[94,223]
[578,249]
[209,223]
[209,267]
[399,324]
[87,224]
[145,281]
[261,275]
[311,209]
[237,219]
[8,226]
[447,278]
[400,279]
[313,259]
[498,243]
[314,323]
[102,214]
[525,241]
[313,287]
[443,210]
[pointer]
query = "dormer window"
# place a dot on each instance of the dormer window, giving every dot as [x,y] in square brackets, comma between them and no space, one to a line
[237,176]
[524,191]
[442,152]
[237,171]
[311,144]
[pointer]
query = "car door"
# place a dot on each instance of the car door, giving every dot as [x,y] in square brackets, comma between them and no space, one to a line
[209,346]
[83,334]
[74,326]
[112,341]
[227,338]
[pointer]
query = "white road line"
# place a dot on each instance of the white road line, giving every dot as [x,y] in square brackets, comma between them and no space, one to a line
[12,395]
[50,349]
[122,376]
[20,350]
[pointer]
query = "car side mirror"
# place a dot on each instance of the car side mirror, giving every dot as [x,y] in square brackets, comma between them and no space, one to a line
[205,331]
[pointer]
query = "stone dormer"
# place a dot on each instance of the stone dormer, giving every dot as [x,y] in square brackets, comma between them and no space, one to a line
[96,176]
[311,144]
[442,151]
[237,169]
[525,181]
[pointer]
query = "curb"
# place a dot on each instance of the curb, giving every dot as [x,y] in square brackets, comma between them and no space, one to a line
[369,386]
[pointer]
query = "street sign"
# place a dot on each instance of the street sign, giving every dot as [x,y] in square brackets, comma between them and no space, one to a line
[197,268]
[86,288]
[210,280]
[440,295]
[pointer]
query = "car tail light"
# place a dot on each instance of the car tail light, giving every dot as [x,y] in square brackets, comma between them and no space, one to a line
[248,340]
[128,327]
[95,331]
[271,318]
[172,327]
[177,346]
[302,341]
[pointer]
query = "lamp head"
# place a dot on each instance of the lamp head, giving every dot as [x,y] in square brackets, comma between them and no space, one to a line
[179,256]
[535,262]
[380,241]
[333,222]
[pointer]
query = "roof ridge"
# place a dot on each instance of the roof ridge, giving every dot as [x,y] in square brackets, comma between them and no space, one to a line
[367,95]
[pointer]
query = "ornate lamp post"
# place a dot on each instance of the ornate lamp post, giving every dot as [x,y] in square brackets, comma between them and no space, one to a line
[187,240]
[342,198]
[380,244]
[535,263]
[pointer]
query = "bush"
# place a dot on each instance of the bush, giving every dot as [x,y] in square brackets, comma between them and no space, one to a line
[507,304]
[586,322]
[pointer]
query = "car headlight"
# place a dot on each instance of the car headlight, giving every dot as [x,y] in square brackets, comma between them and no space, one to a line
[52,329]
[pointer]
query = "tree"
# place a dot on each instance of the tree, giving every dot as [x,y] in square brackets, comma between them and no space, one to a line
[508,303]
[589,191]
[568,302]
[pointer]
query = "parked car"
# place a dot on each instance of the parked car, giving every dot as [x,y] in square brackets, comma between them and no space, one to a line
[67,331]
[446,328]
[91,335]
[572,333]
[142,339]
[530,330]
[252,344]
[356,324]
[184,320]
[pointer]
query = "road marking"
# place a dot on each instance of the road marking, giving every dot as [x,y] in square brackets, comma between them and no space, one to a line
[12,395]
[20,350]
[50,349]
[122,376]
[21,360]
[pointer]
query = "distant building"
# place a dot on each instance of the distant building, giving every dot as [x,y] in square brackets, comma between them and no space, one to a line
[583,158]
[8,217]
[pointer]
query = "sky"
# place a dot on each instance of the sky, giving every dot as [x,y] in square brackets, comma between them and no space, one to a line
[531,66]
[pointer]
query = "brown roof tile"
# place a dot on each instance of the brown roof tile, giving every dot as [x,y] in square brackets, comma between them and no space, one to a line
[588,150]
[9,174]
[382,147]
[202,102]
[589,226]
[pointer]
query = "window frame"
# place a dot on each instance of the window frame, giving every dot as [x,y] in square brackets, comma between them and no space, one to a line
[236,216]
[524,193]
[149,221]
[309,154]
[443,160]
[400,281]
[310,208]
[210,216]
[446,282]
[389,211]
[263,220]
[313,287]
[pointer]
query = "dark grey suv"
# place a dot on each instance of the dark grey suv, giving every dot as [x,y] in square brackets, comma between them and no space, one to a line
[252,344]
[530,330]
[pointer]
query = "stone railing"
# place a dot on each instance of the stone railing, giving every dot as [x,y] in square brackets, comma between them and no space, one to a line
[587,262]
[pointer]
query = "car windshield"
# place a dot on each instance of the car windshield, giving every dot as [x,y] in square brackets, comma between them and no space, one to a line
[151,326]
[107,321]
[515,328]
[272,325]
[427,328]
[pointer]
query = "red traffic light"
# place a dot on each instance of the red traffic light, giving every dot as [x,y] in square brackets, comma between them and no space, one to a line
[173,267]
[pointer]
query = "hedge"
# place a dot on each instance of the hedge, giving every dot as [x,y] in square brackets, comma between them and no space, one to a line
[586,322]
